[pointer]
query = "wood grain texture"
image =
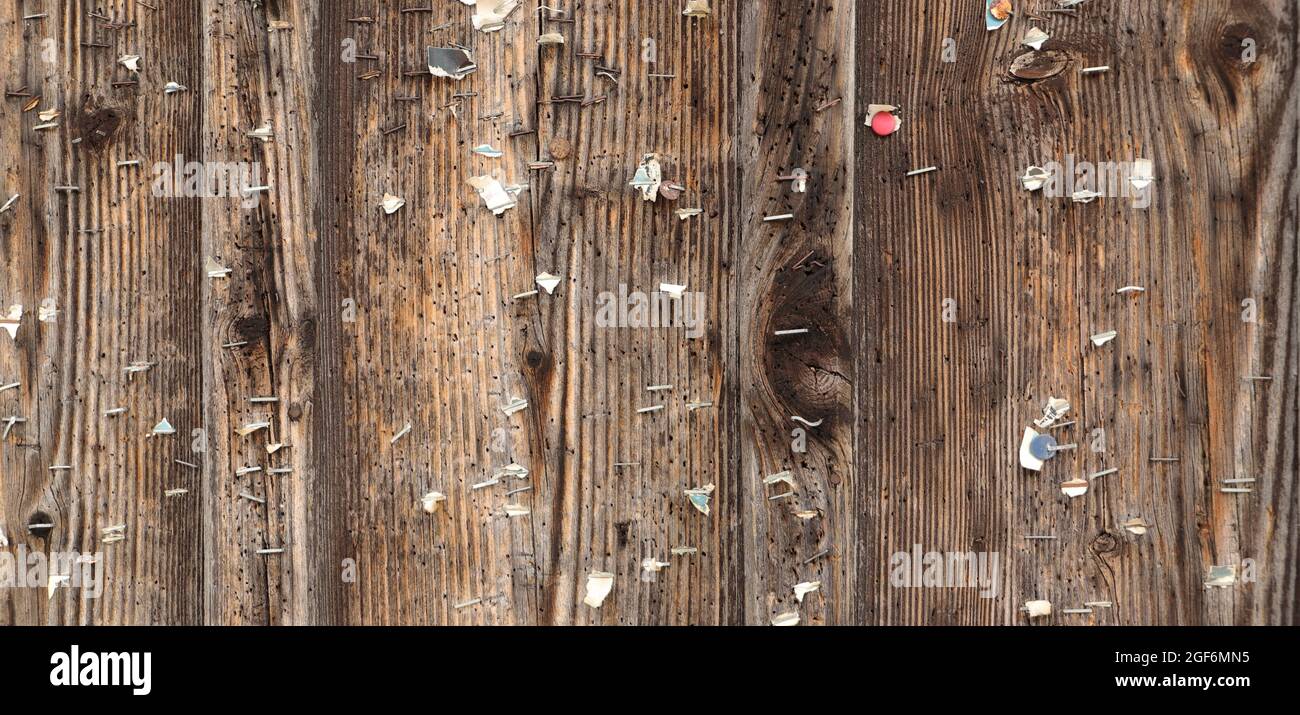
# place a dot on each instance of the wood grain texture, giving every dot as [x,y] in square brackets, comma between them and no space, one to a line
[359,323]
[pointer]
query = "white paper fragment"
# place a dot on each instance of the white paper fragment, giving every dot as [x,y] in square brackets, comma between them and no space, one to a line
[274,447]
[392,204]
[805,588]
[787,477]
[513,510]
[495,196]
[1054,410]
[806,514]
[429,501]
[1034,178]
[1084,196]
[1136,525]
[786,619]
[649,175]
[1035,38]
[599,584]
[491,15]
[511,471]
[684,214]
[548,282]
[174,87]
[1221,577]
[488,151]
[452,62]
[696,8]
[550,38]
[1027,458]
[252,427]
[1075,487]
[48,115]
[799,184]
[163,427]
[11,320]
[1143,173]
[672,290]
[996,13]
[684,550]
[1038,609]
[516,404]
[1102,338]
[47,313]
[265,132]
[700,498]
[652,565]
[131,62]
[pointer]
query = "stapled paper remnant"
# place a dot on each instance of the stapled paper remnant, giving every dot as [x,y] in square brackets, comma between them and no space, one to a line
[548,282]
[996,13]
[1038,609]
[131,62]
[1035,38]
[1143,174]
[429,502]
[1102,338]
[392,203]
[787,477]
[163,427]
[652,565]
[599,584]
[516,404]
[1027,458]
[672,290]
[11,320]
[496,197]
[786,619]
[174,87]
[1221,577]
[9,204]
[684,214]
[487,150]
[1084,196]
[452,62]
[649,175]
[700,498]
[696,8]
[799,182]
[805,588]
[491,15]
[1075,487]
[214,269]
[265,132]
[513,510]
[1034,178]
[550,38]
[1053,411]
[1136,525]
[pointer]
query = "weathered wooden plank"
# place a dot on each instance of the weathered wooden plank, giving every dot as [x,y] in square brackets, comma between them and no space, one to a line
[797,274]
[943,405]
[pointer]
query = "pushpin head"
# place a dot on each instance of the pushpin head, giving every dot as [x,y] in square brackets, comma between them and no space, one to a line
[1043,447]
[884,124]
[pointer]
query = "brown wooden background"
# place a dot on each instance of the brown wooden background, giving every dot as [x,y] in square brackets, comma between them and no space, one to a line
[922,417]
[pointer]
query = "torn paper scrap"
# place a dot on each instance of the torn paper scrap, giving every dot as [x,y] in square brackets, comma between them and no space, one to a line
[1053,411]
[1038,609]
[805,588]
[163,427]
[672,290]
[700,498]
[516,404]
[548,282]
[696,8]
[550,38]
[1102,338]
[488,151]
[786,619]
[684,214]
[652,565]
[47,312]
[1034,178]
[452,62]
[495,196]
[214,269]
[996,13]
[490,15]
[1221,577]
[1136,525]
[1084,196]
[429,502]
[648,177]
[1027,458]
[1142,174]
[599,584]
[174,87]
[392,203]
[1075,487]
[787,477]
[264,132]
[10,321]
[131,62]
[1035,38]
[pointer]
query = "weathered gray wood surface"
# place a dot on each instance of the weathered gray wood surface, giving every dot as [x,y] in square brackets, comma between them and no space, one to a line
[361,322]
